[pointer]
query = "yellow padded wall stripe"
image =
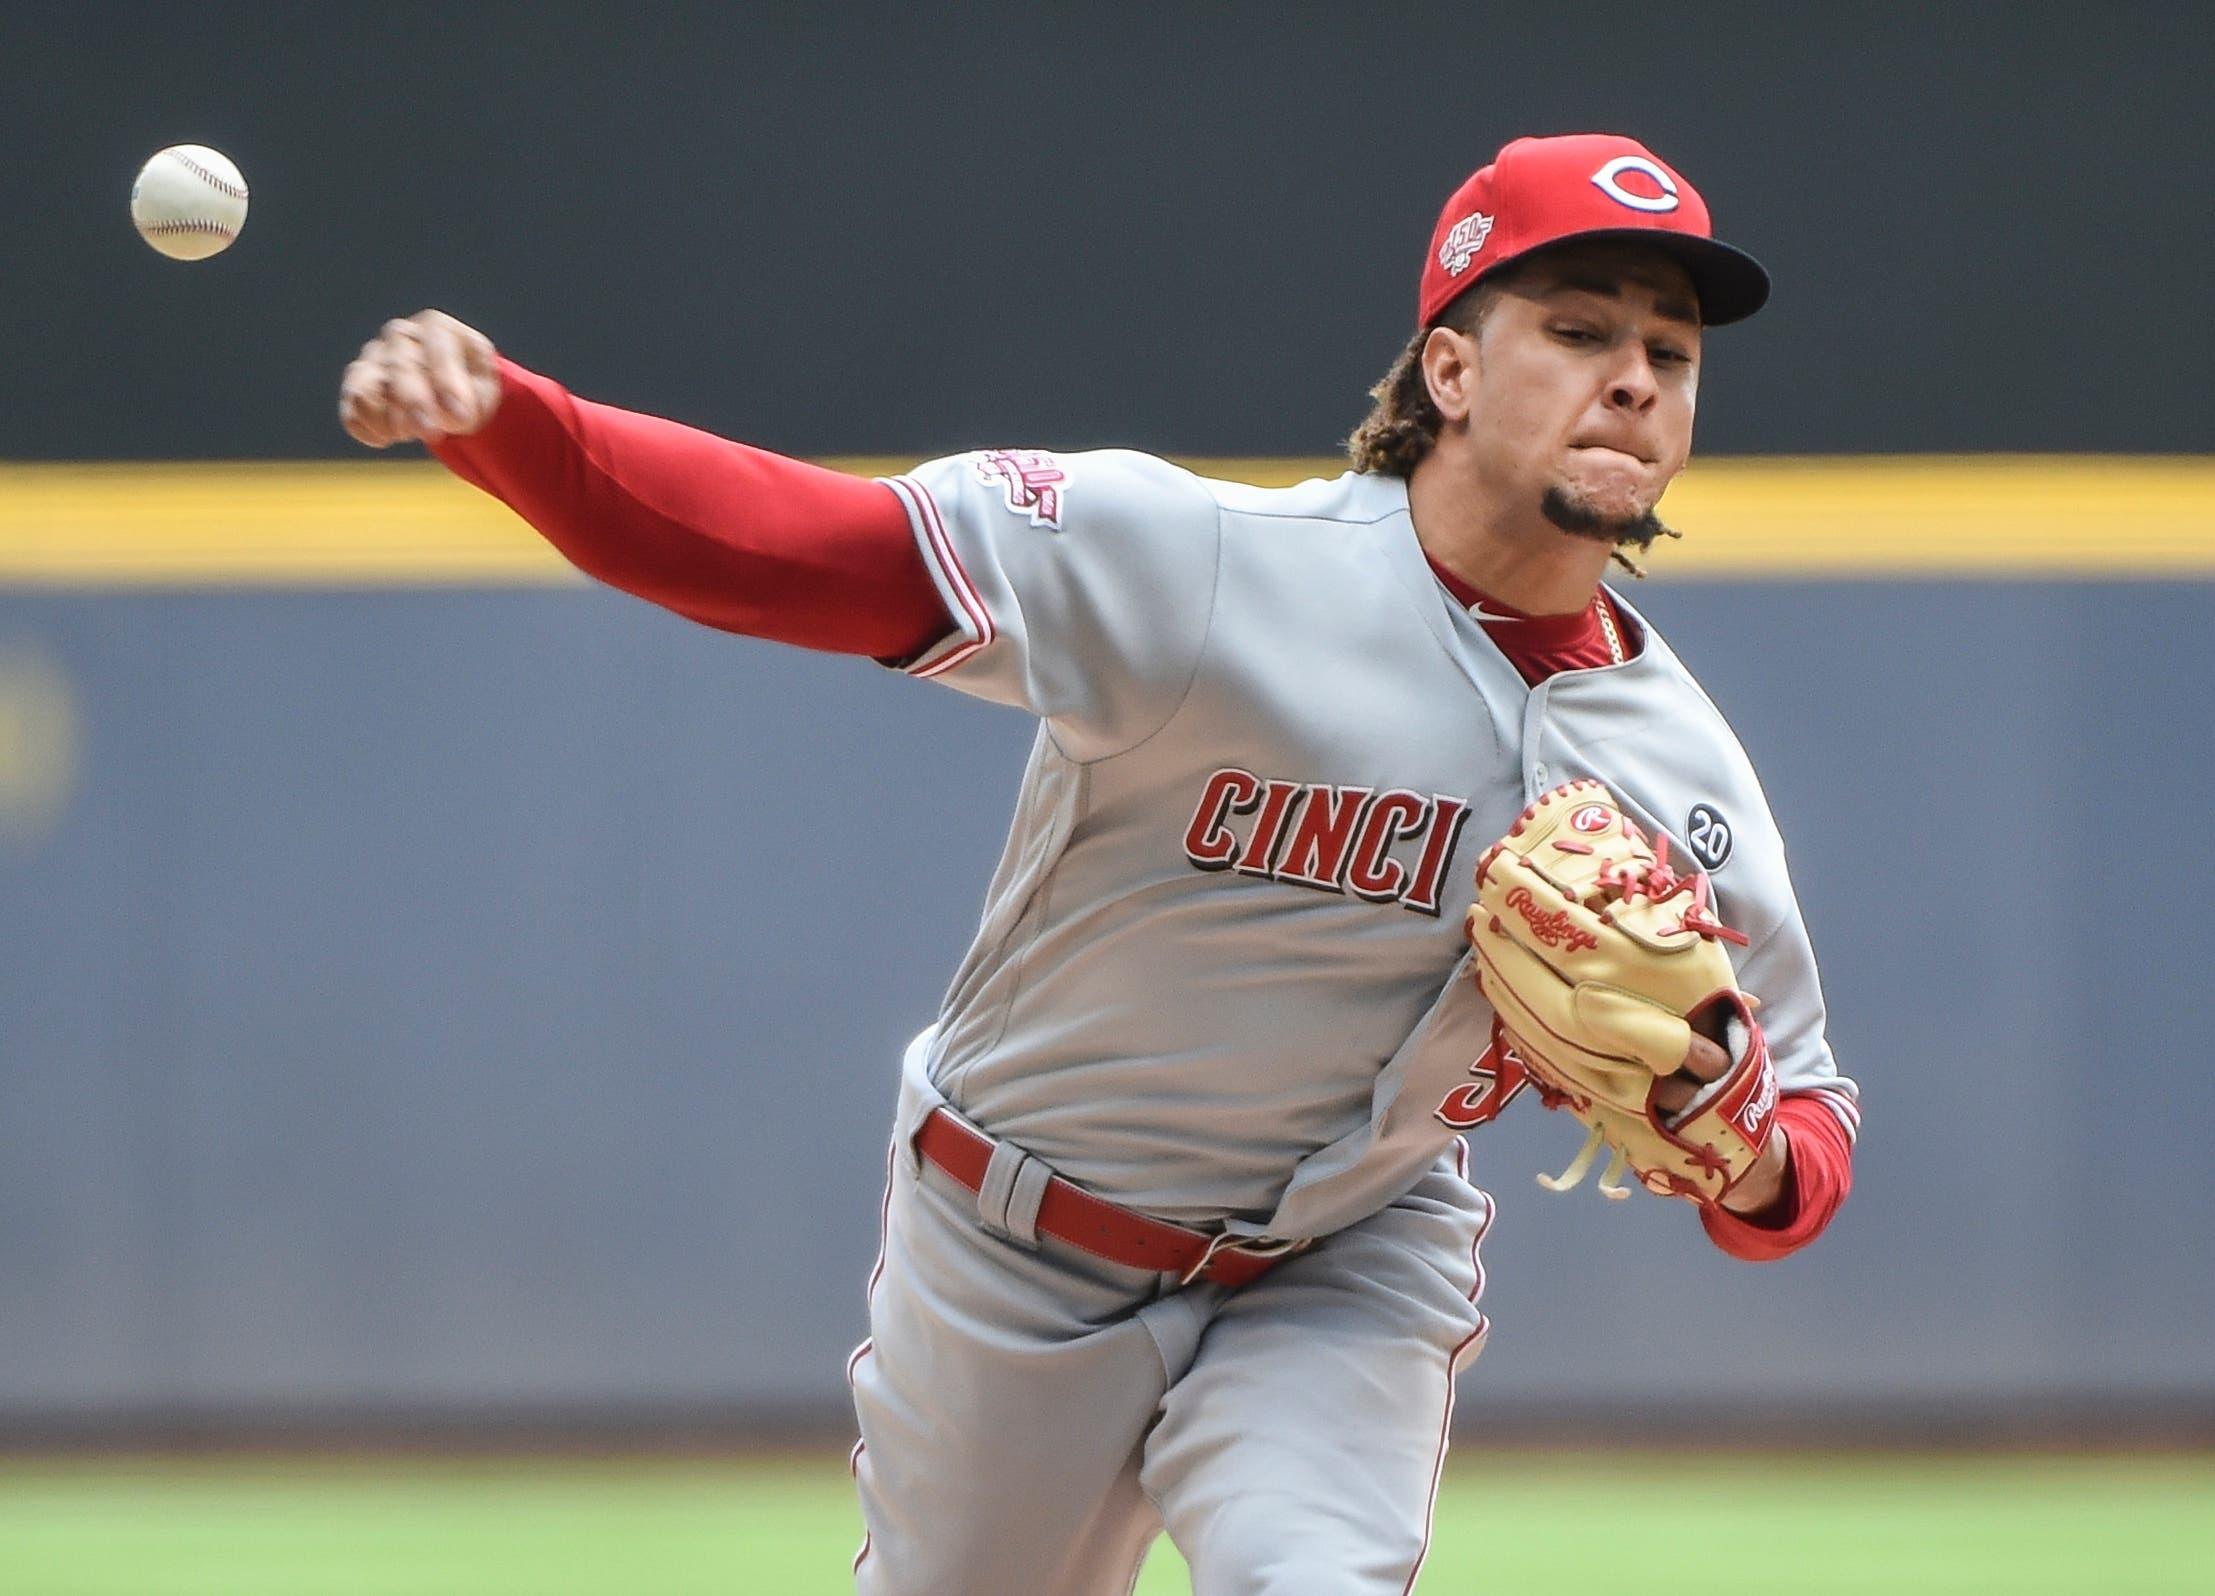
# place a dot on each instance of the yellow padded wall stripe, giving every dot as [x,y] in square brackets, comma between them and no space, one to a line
[380,523]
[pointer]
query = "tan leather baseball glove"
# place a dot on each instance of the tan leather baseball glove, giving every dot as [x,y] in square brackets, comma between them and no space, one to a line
[1599,960]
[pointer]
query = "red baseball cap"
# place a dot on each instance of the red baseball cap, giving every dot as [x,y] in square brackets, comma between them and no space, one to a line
[1583,185]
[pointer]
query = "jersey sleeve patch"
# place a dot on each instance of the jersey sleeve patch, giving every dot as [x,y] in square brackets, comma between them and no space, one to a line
[1032,482]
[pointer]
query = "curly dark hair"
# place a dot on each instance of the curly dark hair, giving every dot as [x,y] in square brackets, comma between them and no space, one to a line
[1403,424]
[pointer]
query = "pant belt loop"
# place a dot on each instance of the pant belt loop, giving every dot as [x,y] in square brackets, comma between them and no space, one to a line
[1025,1193]
[998,1187]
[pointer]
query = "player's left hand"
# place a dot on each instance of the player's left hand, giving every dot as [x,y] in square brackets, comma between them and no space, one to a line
[1585,937]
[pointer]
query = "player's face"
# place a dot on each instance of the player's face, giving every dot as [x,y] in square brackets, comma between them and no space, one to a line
[1588,368]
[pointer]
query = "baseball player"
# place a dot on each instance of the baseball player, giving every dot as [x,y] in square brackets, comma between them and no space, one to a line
[1178,1232]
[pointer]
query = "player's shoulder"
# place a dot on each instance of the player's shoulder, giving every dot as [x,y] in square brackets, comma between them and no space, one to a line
[1666,671]
[1353,498]
[1053,488]
[1701,747]
[1057,489]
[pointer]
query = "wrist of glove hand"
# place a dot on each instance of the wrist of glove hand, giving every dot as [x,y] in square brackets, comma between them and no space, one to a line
[1760,1188]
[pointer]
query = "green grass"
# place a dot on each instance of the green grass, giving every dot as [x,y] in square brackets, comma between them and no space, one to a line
[788,1526]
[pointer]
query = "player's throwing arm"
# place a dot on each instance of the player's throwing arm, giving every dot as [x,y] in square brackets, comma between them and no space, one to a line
[422,378]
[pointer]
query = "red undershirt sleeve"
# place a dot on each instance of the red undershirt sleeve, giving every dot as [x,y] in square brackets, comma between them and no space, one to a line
[1819,1172]
[728,535]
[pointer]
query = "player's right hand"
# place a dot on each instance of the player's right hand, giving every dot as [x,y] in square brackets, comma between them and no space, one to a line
[422,378]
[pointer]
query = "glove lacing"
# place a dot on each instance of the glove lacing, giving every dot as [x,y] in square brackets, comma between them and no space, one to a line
[1659,882]
[1611,1182]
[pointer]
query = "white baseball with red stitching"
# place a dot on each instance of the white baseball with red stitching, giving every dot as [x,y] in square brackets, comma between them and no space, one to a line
[189,201]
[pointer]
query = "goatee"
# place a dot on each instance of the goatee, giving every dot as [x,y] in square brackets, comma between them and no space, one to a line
[1581,520]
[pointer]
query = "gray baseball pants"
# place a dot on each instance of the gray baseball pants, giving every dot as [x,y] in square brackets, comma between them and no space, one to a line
[1032,1418]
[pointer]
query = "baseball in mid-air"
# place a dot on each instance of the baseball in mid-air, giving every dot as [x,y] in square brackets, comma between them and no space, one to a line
[189,201]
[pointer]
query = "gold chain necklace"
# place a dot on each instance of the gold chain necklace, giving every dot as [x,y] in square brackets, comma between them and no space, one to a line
[1607,625]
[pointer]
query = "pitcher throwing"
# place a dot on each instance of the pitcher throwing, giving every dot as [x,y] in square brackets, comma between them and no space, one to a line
[1178,1232]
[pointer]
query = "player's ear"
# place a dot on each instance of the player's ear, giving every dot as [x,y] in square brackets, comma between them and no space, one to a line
[1449,362]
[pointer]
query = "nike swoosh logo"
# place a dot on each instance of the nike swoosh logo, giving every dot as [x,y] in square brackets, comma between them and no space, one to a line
[1483,614]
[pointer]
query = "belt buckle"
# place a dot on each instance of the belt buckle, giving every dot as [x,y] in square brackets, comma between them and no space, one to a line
[1252,1246]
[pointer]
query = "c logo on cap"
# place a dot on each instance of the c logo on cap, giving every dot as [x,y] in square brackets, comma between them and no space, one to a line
[1605,181]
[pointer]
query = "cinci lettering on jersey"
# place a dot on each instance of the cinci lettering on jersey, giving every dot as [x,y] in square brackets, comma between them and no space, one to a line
[1383,847]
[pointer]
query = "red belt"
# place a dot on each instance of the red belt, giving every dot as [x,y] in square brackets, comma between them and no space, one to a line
[1104,1229]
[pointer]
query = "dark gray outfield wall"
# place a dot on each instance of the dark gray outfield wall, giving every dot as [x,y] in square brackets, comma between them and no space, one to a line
[875,227]
[456,1001]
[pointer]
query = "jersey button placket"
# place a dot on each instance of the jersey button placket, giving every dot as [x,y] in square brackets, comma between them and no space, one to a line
[1534,739]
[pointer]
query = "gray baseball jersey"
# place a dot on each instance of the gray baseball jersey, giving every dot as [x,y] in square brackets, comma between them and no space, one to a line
[1219,978]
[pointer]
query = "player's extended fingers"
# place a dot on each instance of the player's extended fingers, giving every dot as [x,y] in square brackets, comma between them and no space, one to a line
[363,409]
